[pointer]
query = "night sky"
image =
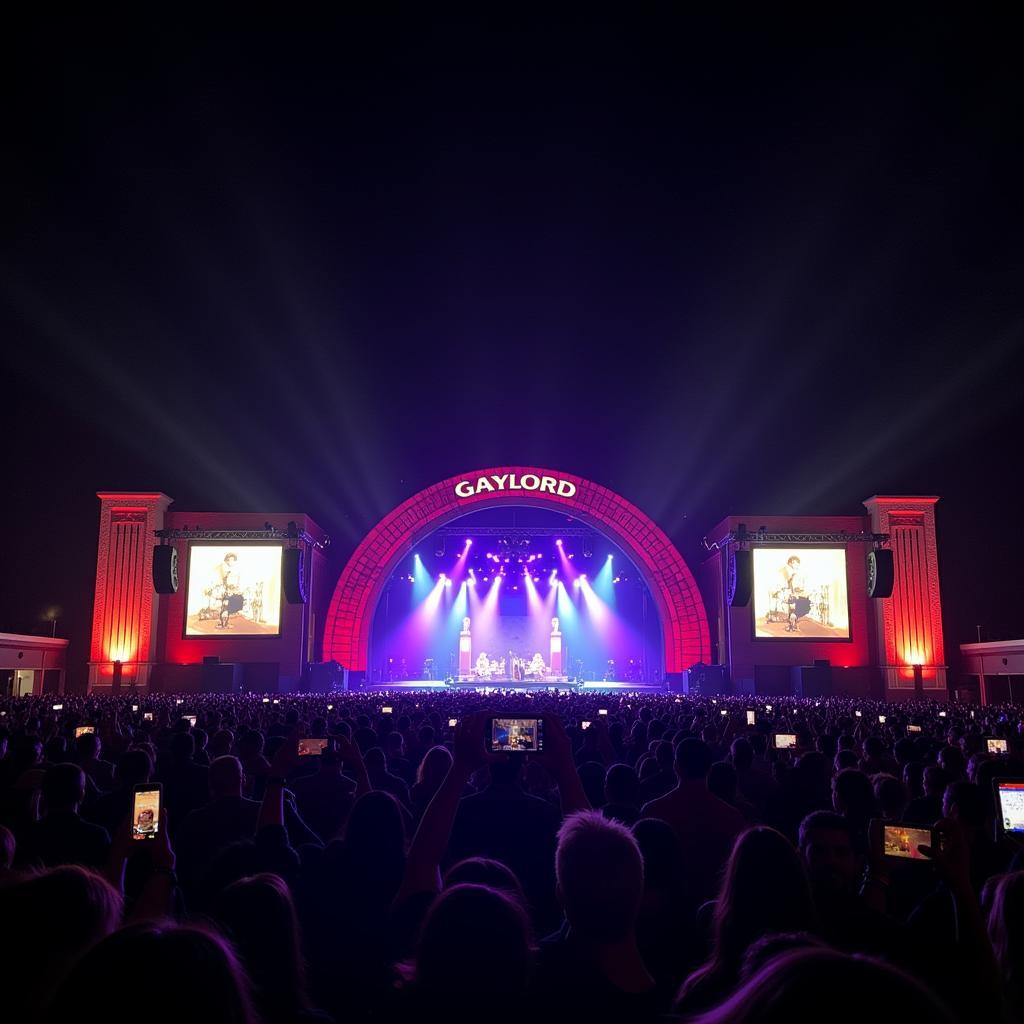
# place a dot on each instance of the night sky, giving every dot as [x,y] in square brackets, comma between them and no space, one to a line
[765,266]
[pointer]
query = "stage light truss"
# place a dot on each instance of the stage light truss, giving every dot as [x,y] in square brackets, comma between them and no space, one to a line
[243,535]
[515,531]
[743,537]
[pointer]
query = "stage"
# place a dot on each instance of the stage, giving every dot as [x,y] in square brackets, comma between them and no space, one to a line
[605,686]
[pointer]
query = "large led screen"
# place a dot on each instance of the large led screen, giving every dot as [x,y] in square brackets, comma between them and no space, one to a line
[800,594]
[233,590]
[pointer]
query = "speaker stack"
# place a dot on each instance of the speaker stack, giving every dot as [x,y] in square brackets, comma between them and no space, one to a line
[293,578]
[881,573]
[740,582]
[165,569]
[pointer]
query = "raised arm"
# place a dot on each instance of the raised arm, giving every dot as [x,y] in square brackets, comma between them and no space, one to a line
[423,865]
[557,759]
[286,759]
[348,751]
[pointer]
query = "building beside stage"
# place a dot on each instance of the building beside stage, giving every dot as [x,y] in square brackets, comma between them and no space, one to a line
[846,642]
[257,609]
[146,639]
[32,665]
[997,668]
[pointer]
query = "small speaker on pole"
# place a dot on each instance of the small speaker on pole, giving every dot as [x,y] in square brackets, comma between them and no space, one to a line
[165,569]
[881,573]
[293,579]
[740,581]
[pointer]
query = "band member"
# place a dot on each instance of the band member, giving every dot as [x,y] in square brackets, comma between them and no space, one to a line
[228,586]
[796,596]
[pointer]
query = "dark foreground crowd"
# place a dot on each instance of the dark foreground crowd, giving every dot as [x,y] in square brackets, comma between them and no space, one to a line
[663,861]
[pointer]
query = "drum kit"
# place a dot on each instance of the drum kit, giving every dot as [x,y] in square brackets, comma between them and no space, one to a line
[785,602]
[223,601]
[517,669]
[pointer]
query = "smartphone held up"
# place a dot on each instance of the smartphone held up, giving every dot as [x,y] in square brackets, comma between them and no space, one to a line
[146,811]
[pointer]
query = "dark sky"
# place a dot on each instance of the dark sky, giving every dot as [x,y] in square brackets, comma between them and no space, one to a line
[314,265]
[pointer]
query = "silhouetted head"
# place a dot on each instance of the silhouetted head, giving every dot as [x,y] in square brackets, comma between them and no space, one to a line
[600,874]
[765,889]
[693,760]
[861,988]
[828,850]
[62,911]
[63,787]
[225,778]
[484,871]
[474,945]
[621,786]
[434,767]
[179,974]
[258,916]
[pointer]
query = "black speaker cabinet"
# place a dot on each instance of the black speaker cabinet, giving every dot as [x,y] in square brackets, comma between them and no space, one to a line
[293,579]
[741,579]
[812,680]
[881,573]
[165,569]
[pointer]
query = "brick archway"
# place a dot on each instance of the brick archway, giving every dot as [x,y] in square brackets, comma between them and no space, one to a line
[680,608]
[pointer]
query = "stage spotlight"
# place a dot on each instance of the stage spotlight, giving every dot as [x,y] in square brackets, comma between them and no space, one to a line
[469,540]
[588,547]
[558,542]
[439,550]
[576,584]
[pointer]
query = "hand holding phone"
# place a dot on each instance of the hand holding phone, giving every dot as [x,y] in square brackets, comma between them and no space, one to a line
[904,842]
[146,811]
[515,735]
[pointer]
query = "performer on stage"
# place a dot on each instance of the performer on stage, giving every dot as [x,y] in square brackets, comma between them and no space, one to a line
[228,584]
[796,593]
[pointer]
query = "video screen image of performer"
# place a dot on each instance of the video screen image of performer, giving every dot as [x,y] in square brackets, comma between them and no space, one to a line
[800,593]
[234,589]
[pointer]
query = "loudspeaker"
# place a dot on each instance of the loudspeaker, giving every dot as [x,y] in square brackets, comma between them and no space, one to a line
[220,678]
[321,677]
[740,583]
[165,569]
[812,680]
[705,679]
[881,573]
[292,577]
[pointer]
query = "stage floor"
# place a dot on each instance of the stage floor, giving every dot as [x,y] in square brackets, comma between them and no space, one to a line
[604,686]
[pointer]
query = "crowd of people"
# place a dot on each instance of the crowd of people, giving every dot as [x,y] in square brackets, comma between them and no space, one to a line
[661,857]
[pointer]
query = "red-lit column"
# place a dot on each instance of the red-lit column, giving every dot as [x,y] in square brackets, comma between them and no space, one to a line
[125,605]
[909,624]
